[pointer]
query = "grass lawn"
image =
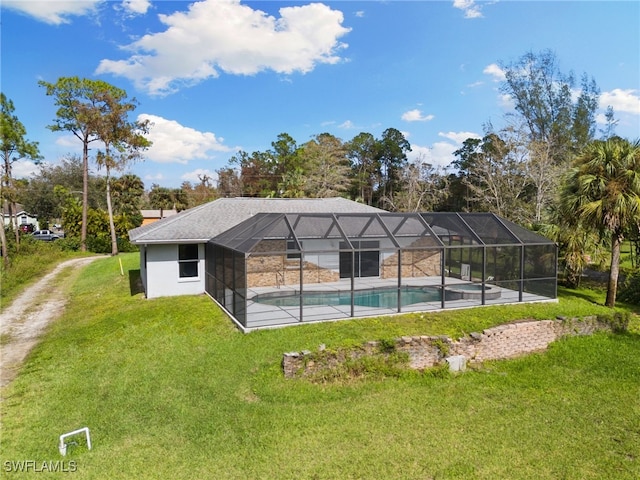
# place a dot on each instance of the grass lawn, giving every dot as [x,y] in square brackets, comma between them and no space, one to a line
[170,389]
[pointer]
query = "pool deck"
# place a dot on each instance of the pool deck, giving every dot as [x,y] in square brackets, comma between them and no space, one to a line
[261,315]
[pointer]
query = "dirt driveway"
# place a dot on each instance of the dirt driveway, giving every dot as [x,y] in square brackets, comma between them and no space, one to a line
[24,320]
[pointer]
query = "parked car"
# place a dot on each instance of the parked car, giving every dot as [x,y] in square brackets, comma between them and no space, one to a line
[27,228]
[45,235]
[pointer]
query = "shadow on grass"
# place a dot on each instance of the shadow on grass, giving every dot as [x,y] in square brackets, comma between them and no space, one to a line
[595,297]
[135,282]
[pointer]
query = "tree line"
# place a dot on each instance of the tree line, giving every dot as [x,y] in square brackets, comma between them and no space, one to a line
[547,167]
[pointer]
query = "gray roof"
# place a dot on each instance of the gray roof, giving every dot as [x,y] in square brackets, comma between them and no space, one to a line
[202,223]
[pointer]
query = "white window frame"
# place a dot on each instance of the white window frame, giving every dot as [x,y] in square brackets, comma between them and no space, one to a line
[184,261]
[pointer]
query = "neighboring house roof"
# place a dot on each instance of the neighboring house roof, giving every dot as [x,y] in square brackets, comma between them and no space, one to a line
[19,209]
[202,223]
[19,212]
[158,213]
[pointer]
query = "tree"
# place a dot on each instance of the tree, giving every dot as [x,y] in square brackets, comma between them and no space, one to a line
[326,166]
[494,175]
[39,197]
[161,198]
[468,156]
[392,157]
[164,198]
[229,183]
[82,105]
[602,190]
[609,129]
[543,175]
[256,173]
[423,188]
[123,141]
[127,192]
[545,102]
[13,147]
[365,165]
[284,156]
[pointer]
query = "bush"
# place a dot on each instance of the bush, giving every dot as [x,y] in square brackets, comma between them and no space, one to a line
[629,291]
[69,244]
[98,244]
[124,245]
[619,321]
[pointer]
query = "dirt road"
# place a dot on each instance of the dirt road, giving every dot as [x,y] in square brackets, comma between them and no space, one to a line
[24,320]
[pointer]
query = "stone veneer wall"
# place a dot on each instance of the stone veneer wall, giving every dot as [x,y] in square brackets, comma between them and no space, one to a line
[501,342]
[415,263]
[276,270]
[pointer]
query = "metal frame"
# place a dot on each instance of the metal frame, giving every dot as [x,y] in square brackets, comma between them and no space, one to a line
[403,232]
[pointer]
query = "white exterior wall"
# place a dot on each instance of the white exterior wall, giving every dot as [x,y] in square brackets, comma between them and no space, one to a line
[23,218]
[161,275]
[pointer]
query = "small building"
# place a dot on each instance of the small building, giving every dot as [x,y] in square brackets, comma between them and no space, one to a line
[23,217]
[275,262]
[150,216]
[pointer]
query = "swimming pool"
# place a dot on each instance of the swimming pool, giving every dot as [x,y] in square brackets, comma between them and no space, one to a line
[377,298]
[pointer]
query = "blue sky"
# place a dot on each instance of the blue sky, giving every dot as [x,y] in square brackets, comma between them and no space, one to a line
[216,76]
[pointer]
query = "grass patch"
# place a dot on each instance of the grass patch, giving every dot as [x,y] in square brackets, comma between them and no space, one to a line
[170,389]
[35,259]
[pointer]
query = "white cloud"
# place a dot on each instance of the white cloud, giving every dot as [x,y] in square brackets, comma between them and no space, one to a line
[347,125]
[440,154]
[136,7]
[506,101]
[24,169]
[359,13]
[53,12]
[69,141]
[158,177]
[458,137]
[495,71]
[416,116]
[627,101]
[215,36]
[175,143]
[194,177]
[469,7]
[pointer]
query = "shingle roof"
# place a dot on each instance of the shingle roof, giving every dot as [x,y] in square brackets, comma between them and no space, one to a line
[202,223]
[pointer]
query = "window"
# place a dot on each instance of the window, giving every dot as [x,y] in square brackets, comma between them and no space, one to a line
[188,260]
[292,250]
[367,263]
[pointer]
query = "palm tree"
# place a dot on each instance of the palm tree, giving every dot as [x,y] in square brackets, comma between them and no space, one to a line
[603,192]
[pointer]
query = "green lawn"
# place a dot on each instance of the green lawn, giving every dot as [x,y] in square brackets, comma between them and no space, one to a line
[170,389]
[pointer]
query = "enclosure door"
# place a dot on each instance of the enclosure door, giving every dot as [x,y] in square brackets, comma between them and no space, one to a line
[367,263]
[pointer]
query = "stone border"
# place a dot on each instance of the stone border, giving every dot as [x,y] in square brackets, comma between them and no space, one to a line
[504,341]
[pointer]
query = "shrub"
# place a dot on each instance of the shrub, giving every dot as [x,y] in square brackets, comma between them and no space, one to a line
[619,321]
[629,291]
[98,244]
[69,244]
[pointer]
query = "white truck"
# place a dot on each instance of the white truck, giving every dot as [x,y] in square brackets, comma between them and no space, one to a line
[45,235]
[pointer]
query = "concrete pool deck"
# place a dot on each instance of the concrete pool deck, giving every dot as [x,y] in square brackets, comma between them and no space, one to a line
[264,315]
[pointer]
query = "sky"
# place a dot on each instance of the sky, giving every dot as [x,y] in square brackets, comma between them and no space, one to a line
[218,76]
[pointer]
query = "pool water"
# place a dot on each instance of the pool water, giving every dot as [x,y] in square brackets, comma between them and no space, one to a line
[377,298]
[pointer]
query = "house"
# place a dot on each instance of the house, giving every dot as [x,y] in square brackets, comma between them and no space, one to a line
[23,217]
[172,250]
[275,262]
